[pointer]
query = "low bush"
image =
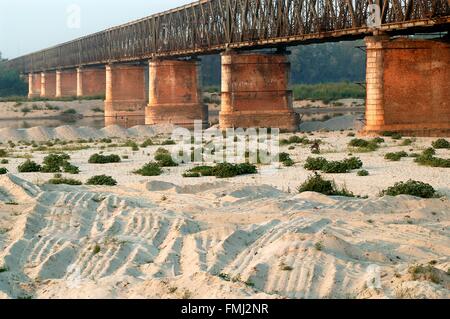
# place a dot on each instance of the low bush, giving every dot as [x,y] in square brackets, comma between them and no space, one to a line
[3,171]
[4,161]
[407,142]
[101,180]
[335,167]
[427,158]
[104,159]
[363,172]
[222,170]
[70,169]
[168,142]
[344,166]
[165,160]
[191,175]
[52,163]
[397,156]
[315,163]
[29,167]
[362,145]
[64,181]
[146,143]
[149,169]
[285,158]
[441,143]
[3,153]
[353,163]
[315,183]
[411,187]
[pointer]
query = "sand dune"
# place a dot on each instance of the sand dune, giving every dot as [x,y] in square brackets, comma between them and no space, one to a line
[217,240]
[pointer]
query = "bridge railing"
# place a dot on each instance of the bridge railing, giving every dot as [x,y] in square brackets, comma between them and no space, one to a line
[211,25]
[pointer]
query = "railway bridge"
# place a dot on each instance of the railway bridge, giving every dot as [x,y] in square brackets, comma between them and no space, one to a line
[408,77]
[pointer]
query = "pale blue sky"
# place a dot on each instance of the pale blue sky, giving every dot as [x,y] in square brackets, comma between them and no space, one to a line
[31,25]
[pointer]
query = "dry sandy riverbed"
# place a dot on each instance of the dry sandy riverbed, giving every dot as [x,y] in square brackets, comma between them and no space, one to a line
[250,236]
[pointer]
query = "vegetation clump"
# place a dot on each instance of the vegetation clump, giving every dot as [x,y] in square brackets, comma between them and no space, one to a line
[363,172]
[52,163]
[441,144]
[3,153]
[222,170]
[395,156]
[427,158]
[104,159]
[322,164]
[101,180]
[362,145]
[286,159]
[64,181]
[149,169]
[29,166]
[315,183]
[411,187]
[3,171]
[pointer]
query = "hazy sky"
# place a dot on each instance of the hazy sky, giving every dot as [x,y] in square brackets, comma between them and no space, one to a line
[31,25]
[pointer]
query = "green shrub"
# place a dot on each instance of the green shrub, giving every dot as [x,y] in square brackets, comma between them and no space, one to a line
[146,143]
[52,163]
[225,170]
[132,144]
[165,160]
[71,169]
[29,167]
[191,174]
[315,163]
[363,172]
[168,142]
[101,180]
[320,163]
[3,171]
[245,169]
[441,143]
[429,152]
[335,167]
[396,136]
[353,163]
[203,170]
[222,170]
[430,160]
[285,158]
[149,169]
[397,156]
[3,153]
[414,188]
[315,183]
[65,181]
[4,161]
[104,159]
[364,145]
[407,142]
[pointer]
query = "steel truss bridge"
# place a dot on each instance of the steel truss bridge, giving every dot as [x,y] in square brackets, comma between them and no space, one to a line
[212,26]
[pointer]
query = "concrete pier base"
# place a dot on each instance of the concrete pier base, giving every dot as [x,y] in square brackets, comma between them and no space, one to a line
[175,93]
[34,85]
[408,86]
[66,83]
[91,82]
[48,84]
[125,99]
[254,92]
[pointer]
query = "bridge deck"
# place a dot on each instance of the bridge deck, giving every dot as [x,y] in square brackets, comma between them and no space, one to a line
[210,26]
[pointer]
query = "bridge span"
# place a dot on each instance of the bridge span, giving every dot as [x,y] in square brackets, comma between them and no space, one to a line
[408,79]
